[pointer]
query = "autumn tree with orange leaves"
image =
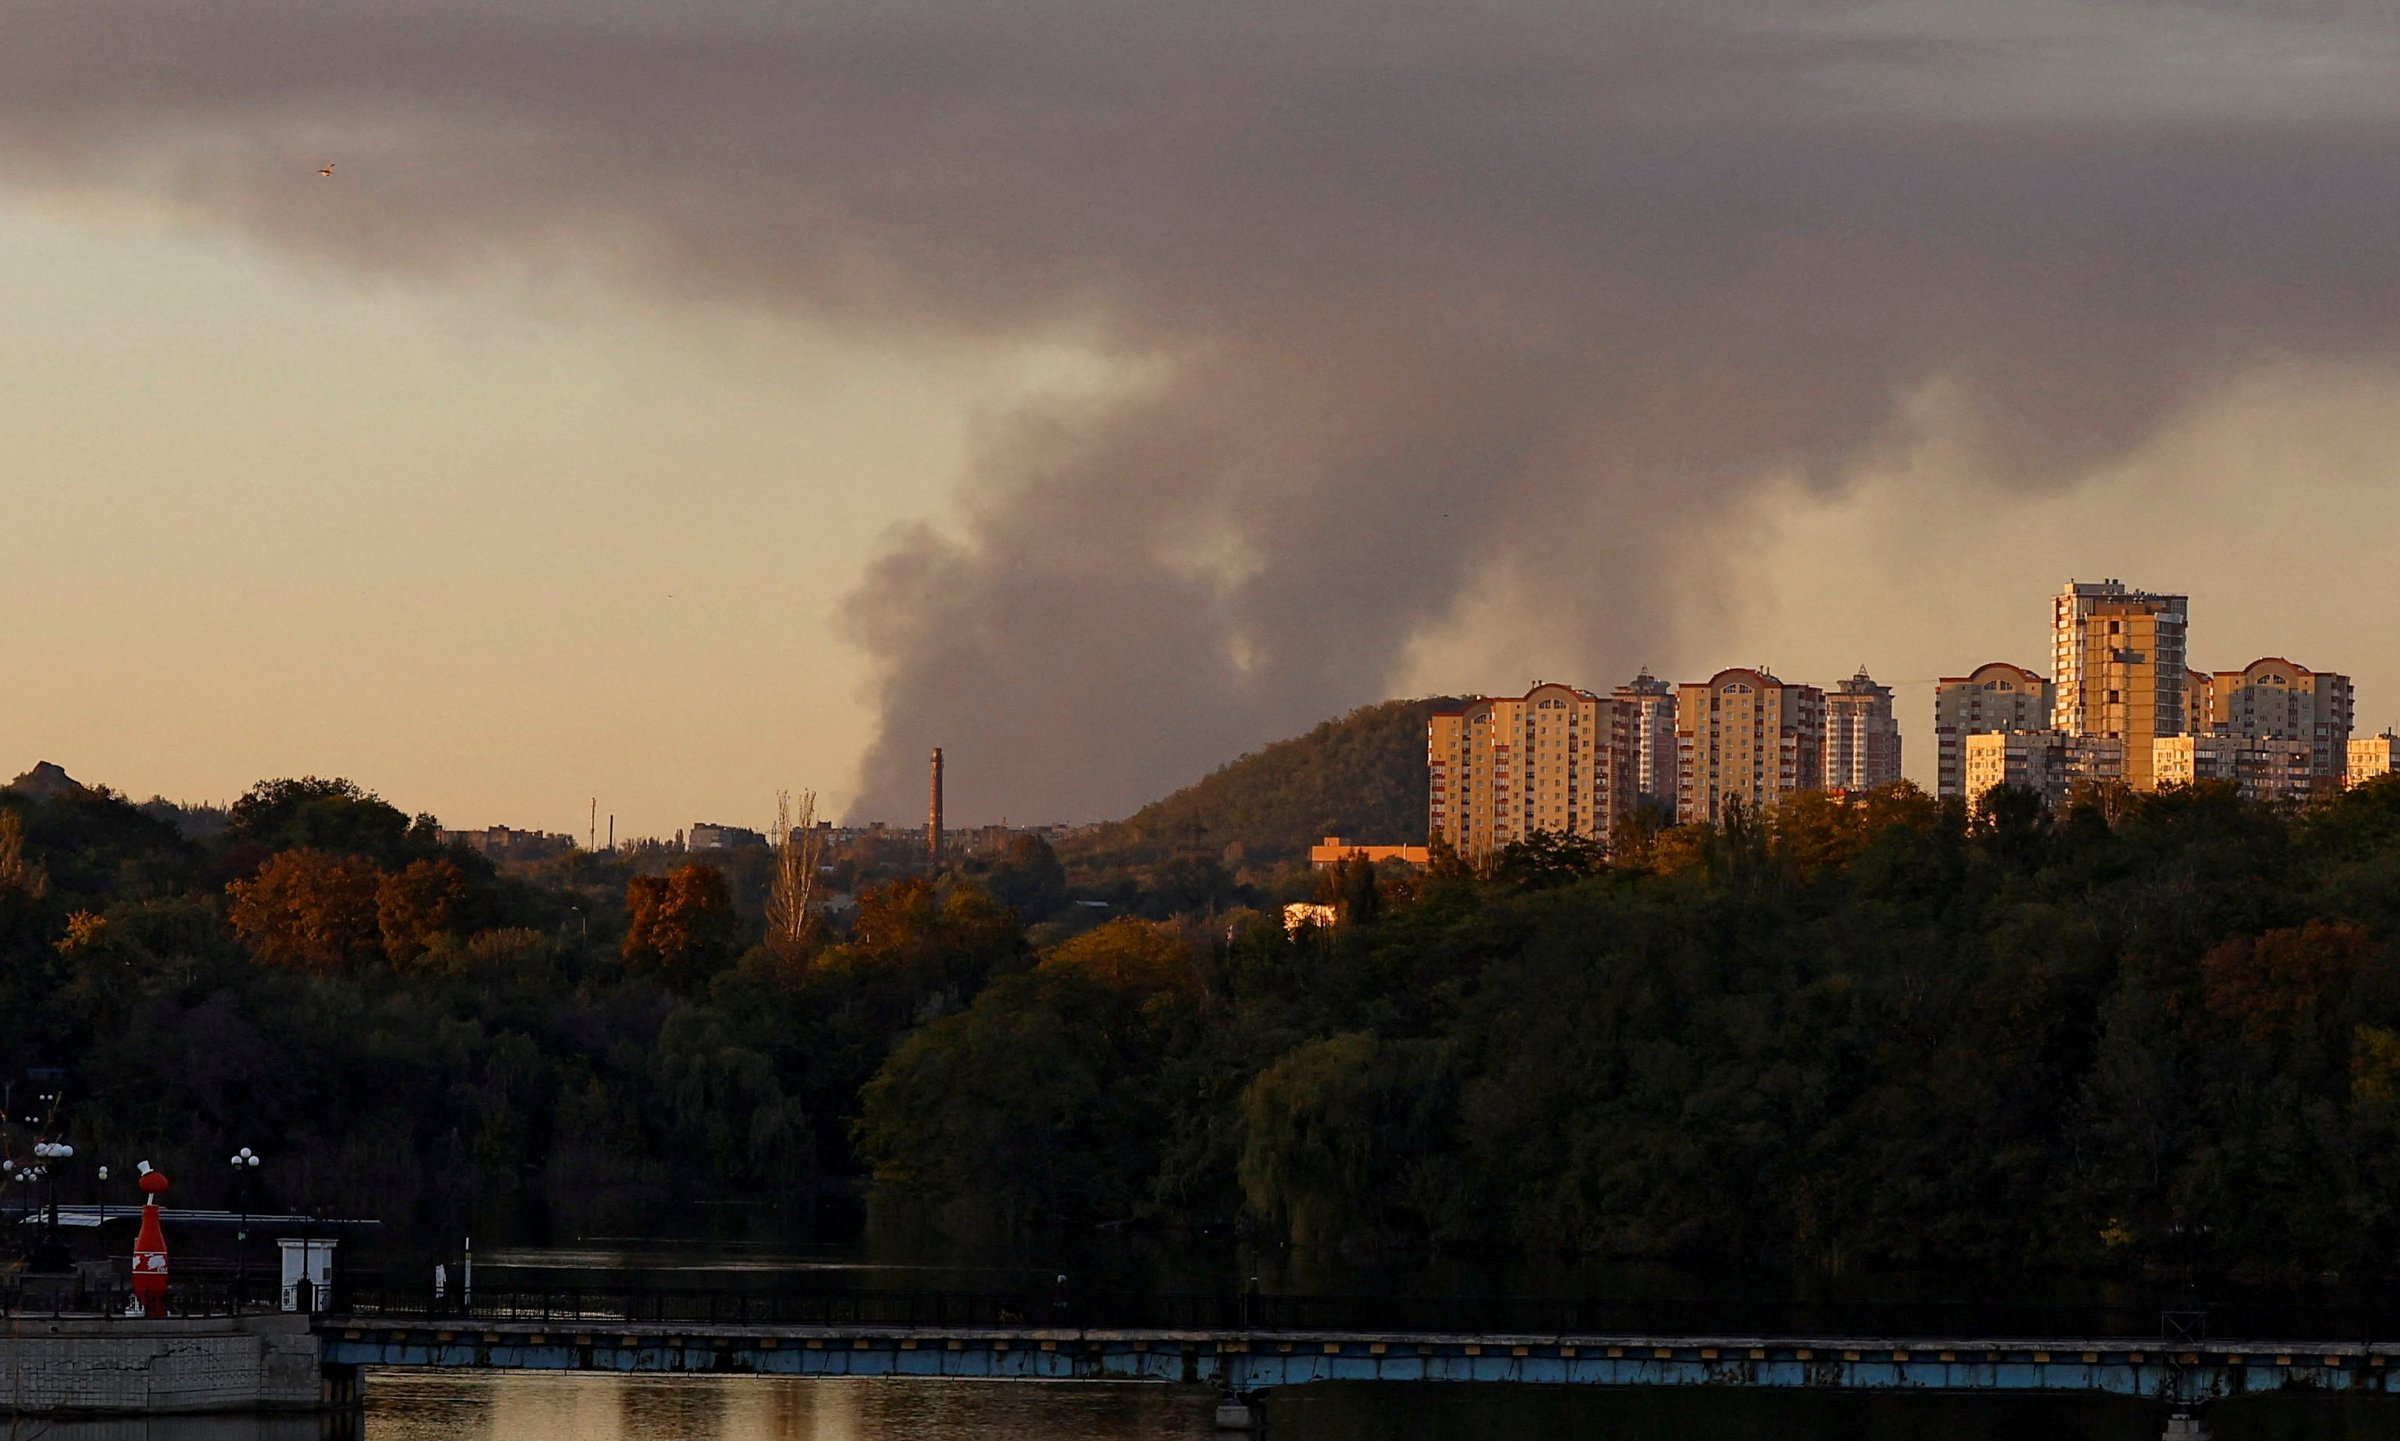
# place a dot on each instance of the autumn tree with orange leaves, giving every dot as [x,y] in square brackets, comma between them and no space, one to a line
[679,927]
[308,910]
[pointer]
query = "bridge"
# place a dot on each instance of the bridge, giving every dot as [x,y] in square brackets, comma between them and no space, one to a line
[2183,1356]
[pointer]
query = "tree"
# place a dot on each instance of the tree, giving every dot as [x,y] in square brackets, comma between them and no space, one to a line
[1041,1099]
[1135,957]
[327,815]
[2284,979]
[679,927]
[1548,858]
[1815,834]
[2012,823]
[1028,879]
[308,910]
[791,896]
[1340,1132]
[1349,885]
[417,903]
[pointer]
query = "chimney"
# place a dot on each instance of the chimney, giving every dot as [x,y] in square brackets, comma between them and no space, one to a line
[933,818]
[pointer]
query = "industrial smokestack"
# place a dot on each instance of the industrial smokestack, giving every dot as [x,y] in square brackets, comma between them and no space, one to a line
[933,817]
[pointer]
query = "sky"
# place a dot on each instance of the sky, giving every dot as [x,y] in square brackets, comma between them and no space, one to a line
[669,405]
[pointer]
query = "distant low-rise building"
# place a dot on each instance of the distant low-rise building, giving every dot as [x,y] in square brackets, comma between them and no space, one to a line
[2372,756]
[1333,850]
[2260,768]
[2034,760]
[1300,915]
[709,836]
[505,843]
[2188,760]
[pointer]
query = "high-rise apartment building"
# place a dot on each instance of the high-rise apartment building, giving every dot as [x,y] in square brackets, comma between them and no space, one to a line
[2034,760]
[2273,699]
[1554,759]
[1995,698]
[1743,735]
[1650,706]
[2372,756]
[2118,677]
[1862,736]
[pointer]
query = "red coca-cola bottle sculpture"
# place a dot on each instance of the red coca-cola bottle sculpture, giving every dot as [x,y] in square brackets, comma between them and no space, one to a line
[150,1249]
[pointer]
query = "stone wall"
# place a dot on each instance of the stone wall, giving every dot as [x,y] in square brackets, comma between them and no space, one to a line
[117,1364]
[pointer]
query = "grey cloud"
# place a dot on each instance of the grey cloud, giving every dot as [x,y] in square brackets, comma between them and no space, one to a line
[1429,292]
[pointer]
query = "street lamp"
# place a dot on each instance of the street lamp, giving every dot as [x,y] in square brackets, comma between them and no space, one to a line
[245,1170]
[51,1153]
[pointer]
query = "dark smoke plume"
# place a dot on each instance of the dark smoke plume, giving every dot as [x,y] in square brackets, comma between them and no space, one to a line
[1414,297]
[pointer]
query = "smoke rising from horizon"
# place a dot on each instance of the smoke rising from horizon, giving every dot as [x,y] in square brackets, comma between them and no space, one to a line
[1408,301]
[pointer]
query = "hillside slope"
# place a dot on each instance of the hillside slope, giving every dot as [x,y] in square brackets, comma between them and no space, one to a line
[1361,777]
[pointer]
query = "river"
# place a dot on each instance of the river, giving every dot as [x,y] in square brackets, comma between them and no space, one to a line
[461,1406]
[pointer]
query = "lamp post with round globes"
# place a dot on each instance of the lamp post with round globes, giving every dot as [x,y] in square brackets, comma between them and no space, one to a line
[245,1172]
[53,1152]
[46,1156]
[13,1174]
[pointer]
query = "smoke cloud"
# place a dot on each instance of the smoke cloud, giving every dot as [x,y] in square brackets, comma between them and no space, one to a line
[1411,300]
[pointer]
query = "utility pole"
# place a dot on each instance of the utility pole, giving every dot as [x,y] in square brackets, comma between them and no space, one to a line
[591,839]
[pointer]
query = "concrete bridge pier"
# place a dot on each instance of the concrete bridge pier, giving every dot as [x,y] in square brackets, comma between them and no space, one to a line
[343,1397]
[1240,1415]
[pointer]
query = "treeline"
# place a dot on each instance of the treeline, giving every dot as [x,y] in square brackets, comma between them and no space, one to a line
[2150,1031]
[2156,1031]
[408,1032]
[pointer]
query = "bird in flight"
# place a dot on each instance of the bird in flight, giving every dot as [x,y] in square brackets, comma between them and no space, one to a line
[327,171]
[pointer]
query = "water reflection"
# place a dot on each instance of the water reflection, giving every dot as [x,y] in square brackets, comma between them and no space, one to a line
[541,1406]
[1440,1413]
[463,1406]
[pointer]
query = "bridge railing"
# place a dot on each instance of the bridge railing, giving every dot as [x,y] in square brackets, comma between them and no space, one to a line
[1963,1320]
[38,1295]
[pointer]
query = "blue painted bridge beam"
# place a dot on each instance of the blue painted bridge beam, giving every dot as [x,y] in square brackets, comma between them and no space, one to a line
[1265,1360]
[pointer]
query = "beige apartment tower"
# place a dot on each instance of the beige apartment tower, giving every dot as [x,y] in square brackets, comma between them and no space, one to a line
[2118,677]
[1743,735]
[1554,759]
[1650,706]
[1994,698]
[2272,699]
[1862,736]
[2198,700]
